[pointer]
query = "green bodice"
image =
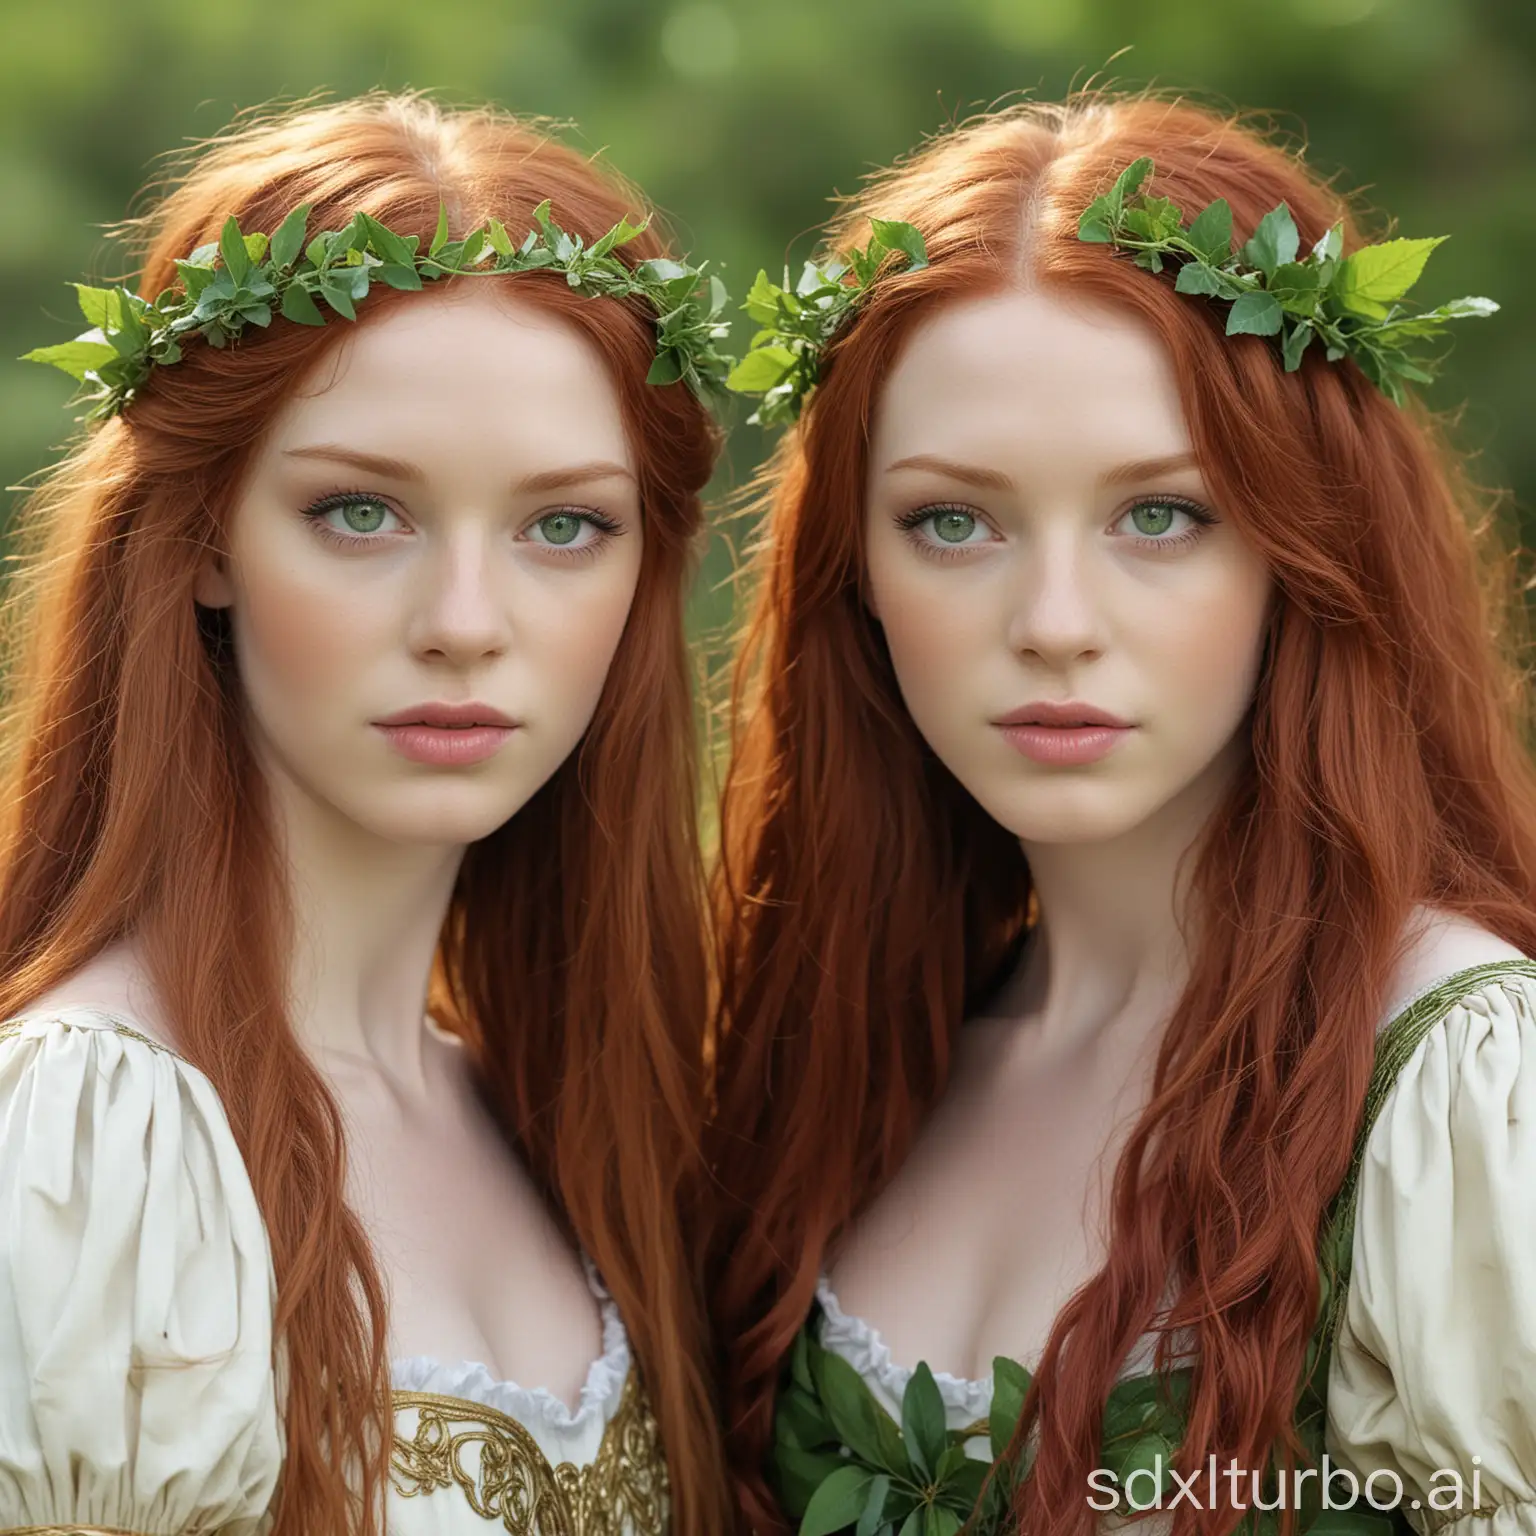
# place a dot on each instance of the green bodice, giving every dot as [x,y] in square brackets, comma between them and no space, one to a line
[843,1465]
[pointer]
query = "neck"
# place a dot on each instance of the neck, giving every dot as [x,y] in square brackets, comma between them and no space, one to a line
[1110,953]
[368,914]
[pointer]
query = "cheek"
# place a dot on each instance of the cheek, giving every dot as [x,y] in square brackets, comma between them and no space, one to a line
[1206,648]
[570,632]
[936,619]
[301,633]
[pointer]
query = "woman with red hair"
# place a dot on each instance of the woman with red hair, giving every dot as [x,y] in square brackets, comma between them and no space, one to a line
[352,658]
[1127,1042]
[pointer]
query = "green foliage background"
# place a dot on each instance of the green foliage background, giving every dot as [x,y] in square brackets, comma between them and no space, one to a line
[741,119]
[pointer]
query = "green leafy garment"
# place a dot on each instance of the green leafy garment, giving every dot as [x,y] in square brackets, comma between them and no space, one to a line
[842,1464]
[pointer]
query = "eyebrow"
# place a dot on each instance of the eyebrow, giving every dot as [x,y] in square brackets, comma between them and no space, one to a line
[953,469]
[1147,469]
[995,480]
[400,469]
[572,474]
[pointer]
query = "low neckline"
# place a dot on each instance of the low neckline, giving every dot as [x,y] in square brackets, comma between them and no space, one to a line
[864,1346]
[473,1381]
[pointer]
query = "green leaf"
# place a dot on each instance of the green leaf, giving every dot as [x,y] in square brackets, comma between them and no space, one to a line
[1156,218]
[440,236]
[939,1521]
[101,306]
[800,1420]
[1351,1522]
[1195,277]
[1331,245]
[798,1474]
[76,358]
[1274,243]
[913,1524]
[896,236]
[621,234]
[1096,223]
[1375,275]
[1462,309]
[1211,233]
[1101,219]
[299,306]
[922,1422]
[1433,321]
[962,1487]
[237,259]
[873,1516]
[838,1502]
[1010,1386]
[861,1423]
[339,296]
[800,1364]
[130,335]
[501,241]
[1255,314]
[1152,1454]
[194,279]
[289,239]
[760,369]
[383,242]
[406,278]
[1297,342]
[1295,285]
[1129,182]
[666,368]
[255,246]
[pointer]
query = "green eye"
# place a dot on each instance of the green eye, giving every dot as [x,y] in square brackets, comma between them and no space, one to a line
[364,516]
[954,526]
[1153,518]
[560,527]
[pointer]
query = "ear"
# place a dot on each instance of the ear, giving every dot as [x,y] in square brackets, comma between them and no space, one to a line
[213,588]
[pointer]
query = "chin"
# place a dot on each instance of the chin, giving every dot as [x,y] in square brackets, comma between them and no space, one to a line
[443,816]
[1081,812]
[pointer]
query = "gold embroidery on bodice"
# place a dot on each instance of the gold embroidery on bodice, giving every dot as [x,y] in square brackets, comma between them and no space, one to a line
[498,1467]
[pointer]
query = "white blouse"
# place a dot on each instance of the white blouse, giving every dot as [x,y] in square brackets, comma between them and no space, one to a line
[140,1384]
[1433,1373]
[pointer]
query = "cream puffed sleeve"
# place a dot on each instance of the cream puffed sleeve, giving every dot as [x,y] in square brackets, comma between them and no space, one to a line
[1433,1374]
[137,1391]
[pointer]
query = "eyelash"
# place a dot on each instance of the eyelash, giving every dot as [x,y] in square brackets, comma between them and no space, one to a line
[910,522]
[1202,517]
[607,527]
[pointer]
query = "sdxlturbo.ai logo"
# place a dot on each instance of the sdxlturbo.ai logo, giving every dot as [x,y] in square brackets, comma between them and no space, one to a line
[1243,1489]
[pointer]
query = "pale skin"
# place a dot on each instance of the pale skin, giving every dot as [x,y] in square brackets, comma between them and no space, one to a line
[1037,530]
[475,537]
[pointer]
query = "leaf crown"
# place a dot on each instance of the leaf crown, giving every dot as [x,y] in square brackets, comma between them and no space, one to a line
[242,280]
[1350,305]
[796,323]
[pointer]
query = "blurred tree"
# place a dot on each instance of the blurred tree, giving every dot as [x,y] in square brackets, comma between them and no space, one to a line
[743,119]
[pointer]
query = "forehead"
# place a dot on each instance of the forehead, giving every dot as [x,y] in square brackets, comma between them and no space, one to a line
[456,369]
[1029,371]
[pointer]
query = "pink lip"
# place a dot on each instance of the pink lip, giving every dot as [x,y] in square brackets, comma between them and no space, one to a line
[447,735]
[1063,735]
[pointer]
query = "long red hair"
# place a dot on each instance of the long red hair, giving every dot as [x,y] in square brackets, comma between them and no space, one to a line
[866,903]
[572,957]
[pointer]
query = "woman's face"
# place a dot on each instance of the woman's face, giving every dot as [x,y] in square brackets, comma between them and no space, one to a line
[1075,626]
[431,564]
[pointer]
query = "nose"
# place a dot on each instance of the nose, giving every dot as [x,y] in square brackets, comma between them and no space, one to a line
[461,615]
[1057,614]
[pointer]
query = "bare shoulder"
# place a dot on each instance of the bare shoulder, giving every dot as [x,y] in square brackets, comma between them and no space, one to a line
[113,982]
[1437,944]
